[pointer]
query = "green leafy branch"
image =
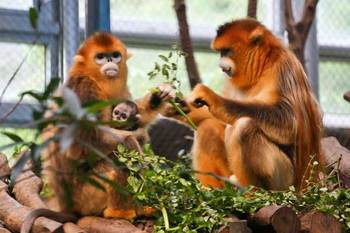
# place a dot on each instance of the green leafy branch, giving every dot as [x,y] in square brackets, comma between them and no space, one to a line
[167,71]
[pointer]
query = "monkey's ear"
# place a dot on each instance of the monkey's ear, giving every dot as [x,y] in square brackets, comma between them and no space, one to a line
[129,54]
[256,37]
[78,59]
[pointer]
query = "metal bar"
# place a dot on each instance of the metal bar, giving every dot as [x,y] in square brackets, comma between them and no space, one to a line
[98,16]
[70,29]
[312,59]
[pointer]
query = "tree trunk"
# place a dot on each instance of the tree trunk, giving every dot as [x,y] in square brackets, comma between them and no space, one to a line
[317,222]
[186,44]
[279,219]
[252,8]
[298,31]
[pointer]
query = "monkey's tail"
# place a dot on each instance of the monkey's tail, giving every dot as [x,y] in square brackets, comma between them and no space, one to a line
[50,214]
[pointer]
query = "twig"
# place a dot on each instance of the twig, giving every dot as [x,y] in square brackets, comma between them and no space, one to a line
[179,110]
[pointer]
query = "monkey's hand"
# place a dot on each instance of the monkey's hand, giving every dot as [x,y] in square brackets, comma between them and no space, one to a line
[162,93]
[201,96]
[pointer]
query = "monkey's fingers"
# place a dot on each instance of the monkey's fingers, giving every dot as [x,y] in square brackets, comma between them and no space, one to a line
[166,92]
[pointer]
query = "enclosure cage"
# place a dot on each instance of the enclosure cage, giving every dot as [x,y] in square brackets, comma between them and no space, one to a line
[149,28]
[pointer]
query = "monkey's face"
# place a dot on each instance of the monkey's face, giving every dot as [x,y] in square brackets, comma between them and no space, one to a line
[102,56]
[108,63]
[238,43]
[122,112]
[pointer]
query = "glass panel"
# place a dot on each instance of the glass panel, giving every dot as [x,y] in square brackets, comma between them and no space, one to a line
[333,22]
[334,82]
[16,4]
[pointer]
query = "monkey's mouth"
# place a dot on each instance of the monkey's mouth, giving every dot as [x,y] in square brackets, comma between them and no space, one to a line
[227,66]
[111,72]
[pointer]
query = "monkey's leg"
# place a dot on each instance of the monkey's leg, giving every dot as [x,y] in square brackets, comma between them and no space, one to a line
[119,203]
[256,160]
[209,153]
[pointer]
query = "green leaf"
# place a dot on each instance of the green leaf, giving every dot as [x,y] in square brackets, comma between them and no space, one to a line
[13,137]
[164,58]
[51,87]
[33,17]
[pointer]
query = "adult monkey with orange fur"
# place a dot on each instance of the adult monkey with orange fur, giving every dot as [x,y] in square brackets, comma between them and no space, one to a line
[99,72]
[273,121]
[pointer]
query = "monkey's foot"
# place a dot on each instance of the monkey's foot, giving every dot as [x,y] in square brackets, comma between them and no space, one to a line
[116,213]
[145,211]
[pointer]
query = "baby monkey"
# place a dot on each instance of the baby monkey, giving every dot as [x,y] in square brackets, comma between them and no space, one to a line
[126,116]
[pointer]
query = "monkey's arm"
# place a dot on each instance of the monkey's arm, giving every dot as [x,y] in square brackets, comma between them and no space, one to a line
[275,120]
[153,104]
[103,138]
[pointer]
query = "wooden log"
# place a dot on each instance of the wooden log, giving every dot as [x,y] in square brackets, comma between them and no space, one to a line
[279,219]
[4,167]
[318,222]
[13,214]
[336,156]
[102,225]
[27,188]
[3,230]
[72,228]
[235,225]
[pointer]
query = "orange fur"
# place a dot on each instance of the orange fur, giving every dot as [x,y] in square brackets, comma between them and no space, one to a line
[273,121]
[90,84]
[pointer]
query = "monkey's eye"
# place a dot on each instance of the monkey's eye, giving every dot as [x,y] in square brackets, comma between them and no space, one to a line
[116,57]
[100,55]
[116,112]
[226,52]
[116,54]
[100,58]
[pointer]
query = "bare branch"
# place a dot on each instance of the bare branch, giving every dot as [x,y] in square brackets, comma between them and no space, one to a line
[186,44]
[308,16]
[252,8]
[288,14]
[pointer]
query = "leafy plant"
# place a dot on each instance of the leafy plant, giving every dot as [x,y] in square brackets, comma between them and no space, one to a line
[166,70]
[184,205]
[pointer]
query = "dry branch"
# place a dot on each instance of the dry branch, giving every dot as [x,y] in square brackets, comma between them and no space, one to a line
[102,225]
[27,189]
[276,219]
[13,214]
[4,167]
[186,44]
[252,8]
[298,31]
[317,222]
